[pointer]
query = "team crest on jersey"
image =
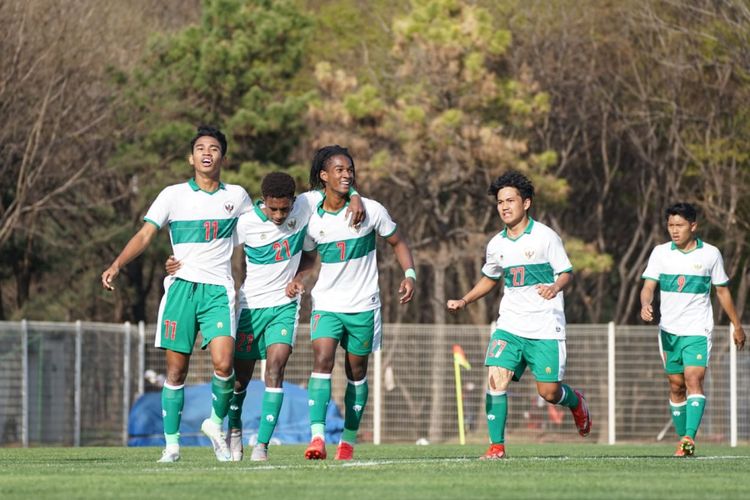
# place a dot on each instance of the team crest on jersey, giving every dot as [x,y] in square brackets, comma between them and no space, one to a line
[697,266]
[322,234]
[291,223]
[529,253]
[263,236]
[229,206]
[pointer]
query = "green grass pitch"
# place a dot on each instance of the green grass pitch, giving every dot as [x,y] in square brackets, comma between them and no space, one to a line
[547,471]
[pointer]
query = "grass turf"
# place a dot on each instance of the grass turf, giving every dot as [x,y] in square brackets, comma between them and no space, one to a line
[380,472]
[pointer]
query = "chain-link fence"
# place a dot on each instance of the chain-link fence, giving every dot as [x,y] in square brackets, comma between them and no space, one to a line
[73,384]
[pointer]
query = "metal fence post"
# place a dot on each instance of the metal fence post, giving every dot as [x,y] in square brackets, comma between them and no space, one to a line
[24,383]
[377,396]
[126,383]
[141,356]
[611,415]
[732,389]
[77,387]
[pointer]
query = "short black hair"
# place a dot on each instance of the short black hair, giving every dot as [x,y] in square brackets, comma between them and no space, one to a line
[514,179]
[684,210]
[207,130]
[319,163]
[278,185]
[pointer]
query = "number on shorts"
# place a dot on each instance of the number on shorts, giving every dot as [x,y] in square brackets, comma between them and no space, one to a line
[279,247]
[244,342]
[170,325]
[208,225]
[519,275]
[315,322]
[342,247]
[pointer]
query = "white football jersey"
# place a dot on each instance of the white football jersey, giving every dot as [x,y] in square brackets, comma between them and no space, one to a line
[348,279]
[536,257]
[273,253]
[685,280]
[201,227]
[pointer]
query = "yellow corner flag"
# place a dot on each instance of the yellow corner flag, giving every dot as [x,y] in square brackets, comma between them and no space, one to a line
[459,357]
[460,361]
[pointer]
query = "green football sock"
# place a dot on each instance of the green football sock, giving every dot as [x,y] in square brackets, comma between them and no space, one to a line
[235,409]
[172,402]
[355,400]
[269,413]
[496,405]
[569,398]
[318,395]
[221,390]
[679,416]
[696,403]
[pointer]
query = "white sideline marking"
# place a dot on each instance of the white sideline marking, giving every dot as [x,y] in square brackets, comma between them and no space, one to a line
[405,461]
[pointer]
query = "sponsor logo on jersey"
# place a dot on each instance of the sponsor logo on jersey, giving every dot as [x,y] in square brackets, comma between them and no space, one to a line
[229,206]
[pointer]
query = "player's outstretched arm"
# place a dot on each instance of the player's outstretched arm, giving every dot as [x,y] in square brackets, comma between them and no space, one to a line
[406,261]
[725,299]
[133,249]
[297,285]
[647,297]
[482,288]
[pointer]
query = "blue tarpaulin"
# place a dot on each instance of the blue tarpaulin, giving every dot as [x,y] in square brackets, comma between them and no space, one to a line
[145,426]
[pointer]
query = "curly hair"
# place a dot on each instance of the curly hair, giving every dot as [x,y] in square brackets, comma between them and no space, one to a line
[516,180]
[278,185]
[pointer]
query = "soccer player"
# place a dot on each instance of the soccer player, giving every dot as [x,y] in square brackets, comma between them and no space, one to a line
[202,214]
[346,297]
[272,235]
[530,328]
[685,268]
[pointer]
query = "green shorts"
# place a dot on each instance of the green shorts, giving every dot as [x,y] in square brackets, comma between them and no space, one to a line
[259,328]
[188,308]
[545,357]
[679,351]
[358,333]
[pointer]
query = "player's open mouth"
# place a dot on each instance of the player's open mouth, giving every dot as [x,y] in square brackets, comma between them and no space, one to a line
[207,161]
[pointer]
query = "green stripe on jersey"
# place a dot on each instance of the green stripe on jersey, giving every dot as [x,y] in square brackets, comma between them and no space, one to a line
[201,231]
[344,250]
[278,251]
[685,283]
[528,275]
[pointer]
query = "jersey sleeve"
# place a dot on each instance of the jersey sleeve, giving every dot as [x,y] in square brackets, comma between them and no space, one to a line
[718,274]
[558,257]
[309,244]
[310,200]
[652,271]
[381,220]
[492,268]
[158,212]
[246,203]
